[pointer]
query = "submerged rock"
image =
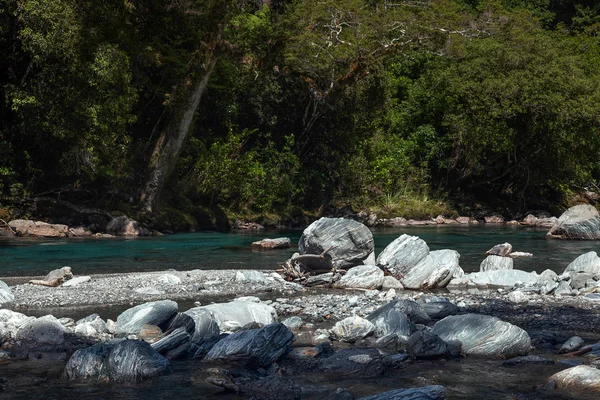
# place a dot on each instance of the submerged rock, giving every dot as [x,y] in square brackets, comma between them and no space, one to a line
[354,362]
[433,392]
[349,241]
[362,277]
[133,361]
[254,347]
[579,222]
[582,377]
[483,335]
[527,360]
[152,313]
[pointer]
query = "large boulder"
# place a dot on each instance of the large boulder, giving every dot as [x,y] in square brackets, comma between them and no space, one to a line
[400,256]
[433,392]
[350,243]
[152,313]
[579,222]
[426,345]
[587,262]
[352,329]
[42,333]
[10,323]
[205,324]
[415,311]
[254,347]
[39,229]
[362,277]
[125,226]
[395,322]
[235,315]
[89,363]
[7,296]
[483,335]
[494,263]
[502,278]
[434,271]
[581,377]
[134,361]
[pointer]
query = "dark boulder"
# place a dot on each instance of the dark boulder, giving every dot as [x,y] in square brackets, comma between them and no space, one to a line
[415,311]
[173,340]
[526,360]
[440,309]
[426,345]
[89,363]
[354,362]
[133,361]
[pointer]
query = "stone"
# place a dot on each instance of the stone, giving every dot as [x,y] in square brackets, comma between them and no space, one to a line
[254,347]
[402,255]
[206,326]
[250,276]
[502,250]
[494,219]
[11,322]
[588,262]
[341,394]
[173,340]
[393,322]
[168,279]
[570,345]
[89,363]
[440,309]
[582,377]
[389,282]
[293,322]
[434,271]
[355,362]
[519,255]
[413,310]
[349,242]
[530,220]
[272,244]
[352,329]
[495,263]
[503,278]
[518,297]
[181,320]
[150,333]
[80,231]
[426,345]
[38,229]
[463,220]
[125,226]
[548,222]
[235,315]
[6,295]
[433,392]
[44,332]
[149,290]
[563,289]
[319,280]
[131,320]
[78,280]
[580,279]
[361,277]
[578,222]
[483,335]
[95,321]
[86,330]
[133,361]
[528,360]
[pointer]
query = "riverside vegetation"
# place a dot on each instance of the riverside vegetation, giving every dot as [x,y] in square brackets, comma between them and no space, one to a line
[185,113]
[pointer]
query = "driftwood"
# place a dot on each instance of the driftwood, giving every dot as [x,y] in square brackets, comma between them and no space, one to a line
[300,268]
[8,226]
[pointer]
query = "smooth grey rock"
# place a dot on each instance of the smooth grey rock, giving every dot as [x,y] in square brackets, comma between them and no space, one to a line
[43,332]
[272,244]
[89,363]
[580,279]
[254,347]
[352,329]
[518,297]
[593,297]
[293,322]
[319,280]
[389,282]
[433,392]
[434,271]
[503,278]
[440,309]
[205,325]
[415,311]
[563,289]
[570,345]
[527,360]
[503,250]
[152,313]
[133,361]
[588,262]
[10,323]
[125,226]
[86,330]
[424,344]
[494,263]
[578,222]
[582,377]
[6,295]
[355,362]
[352,241]
[235,315]
[520,255]
[393,322]
[361,277]
[250,276]
[168,279]
[483,335]
[78,280]
[173,340]
[149,290]
[40,229]
[402,255]
[95,321]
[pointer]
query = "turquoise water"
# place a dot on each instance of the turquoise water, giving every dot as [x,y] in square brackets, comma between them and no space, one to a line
[217,250]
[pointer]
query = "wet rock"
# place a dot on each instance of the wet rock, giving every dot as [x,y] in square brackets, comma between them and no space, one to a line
[235,315]
[579,222]
[10,323]
[502,278]
[440,309]
[362,277]
[355,363]
[395,322]
[433,392]
[38,229]
[400,256]
[588,262]
[494,263]
[389,282]
[423,344]
[571,362]
[205,325]
[503,250]
[125,226]
[95,321]
[6,295]
[434,271]
[133,361]
[268,388]
[352,329]
[352,241]
[527,360]
[563,289]
[76,281]
[415,311]
[582,377]
[293,322]
[579,280]
[272,244]
[173,340]
[181,320]
[254,347]
[153,313]
[483,335]
[570,345]
[45,332]
[89,363]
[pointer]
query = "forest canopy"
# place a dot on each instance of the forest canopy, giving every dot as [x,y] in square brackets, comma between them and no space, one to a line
[264,106]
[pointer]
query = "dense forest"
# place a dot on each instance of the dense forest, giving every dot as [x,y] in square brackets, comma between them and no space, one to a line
[408,107]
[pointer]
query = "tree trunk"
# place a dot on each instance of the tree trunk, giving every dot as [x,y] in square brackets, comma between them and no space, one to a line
[171,141]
